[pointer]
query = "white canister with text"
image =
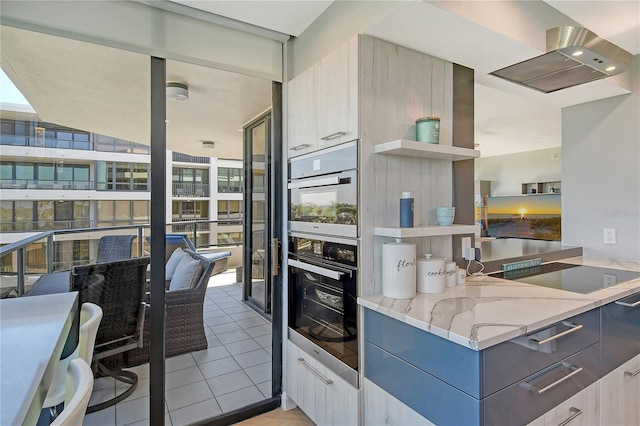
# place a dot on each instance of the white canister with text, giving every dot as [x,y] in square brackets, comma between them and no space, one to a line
[431,274]
[399,270]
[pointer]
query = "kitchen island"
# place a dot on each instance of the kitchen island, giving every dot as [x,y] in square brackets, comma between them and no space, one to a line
[496,351]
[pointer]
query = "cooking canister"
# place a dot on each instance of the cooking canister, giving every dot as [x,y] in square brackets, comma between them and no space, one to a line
[452,273]
[428,129]
[399,270]
[431,274]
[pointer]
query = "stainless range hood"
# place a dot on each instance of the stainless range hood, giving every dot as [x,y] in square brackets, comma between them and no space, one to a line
[574,56]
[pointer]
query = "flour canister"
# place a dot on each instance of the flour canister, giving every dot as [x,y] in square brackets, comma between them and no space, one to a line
[452,273]
[431,274]
[399,270]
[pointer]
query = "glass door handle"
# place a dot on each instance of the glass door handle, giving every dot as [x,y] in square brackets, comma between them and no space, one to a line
[275,255]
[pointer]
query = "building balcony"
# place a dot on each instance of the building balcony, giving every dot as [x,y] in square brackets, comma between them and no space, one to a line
[47,184]
[198,190]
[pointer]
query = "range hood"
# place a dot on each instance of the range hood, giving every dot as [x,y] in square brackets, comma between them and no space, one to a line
[574,56]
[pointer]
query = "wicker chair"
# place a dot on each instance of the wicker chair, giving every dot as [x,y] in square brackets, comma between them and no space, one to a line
[114,247]
[173,242]
[184,325]
[118,288]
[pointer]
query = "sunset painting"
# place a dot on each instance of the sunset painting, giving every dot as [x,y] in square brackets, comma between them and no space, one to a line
[527,216]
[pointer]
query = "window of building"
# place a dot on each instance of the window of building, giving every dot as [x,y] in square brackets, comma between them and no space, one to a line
[229,209]
[25,171]
[189,210]
[121,176]
[122,212]
[229,179]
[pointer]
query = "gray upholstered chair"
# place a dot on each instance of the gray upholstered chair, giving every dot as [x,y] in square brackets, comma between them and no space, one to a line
[184,325]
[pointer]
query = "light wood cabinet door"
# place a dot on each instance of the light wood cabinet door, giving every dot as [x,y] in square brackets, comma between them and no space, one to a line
[337,95]
[302,113]
[620,395]
[582,409]
[320,393]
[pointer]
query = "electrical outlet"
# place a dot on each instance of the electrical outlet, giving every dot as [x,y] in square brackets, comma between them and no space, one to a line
[466,248]
[609,280]
[609,235]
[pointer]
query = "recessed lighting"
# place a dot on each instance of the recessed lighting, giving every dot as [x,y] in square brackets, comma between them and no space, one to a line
[611,68]
[577,53]
[208,144]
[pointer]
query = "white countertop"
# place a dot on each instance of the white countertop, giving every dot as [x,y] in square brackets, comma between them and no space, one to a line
[487,310]
[33,331]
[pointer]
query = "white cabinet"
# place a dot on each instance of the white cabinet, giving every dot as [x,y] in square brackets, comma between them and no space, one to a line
[620,395]
[302,116]
[582,409]
[323,102]
[337,95]
[323,396]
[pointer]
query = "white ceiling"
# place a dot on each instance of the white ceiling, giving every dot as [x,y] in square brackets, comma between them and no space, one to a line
[481,35]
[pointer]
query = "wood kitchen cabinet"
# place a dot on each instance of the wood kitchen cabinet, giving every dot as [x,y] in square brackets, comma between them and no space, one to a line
[337,95]
[323,102]
[302,114]
[323,396]
[620,395]
[582,409]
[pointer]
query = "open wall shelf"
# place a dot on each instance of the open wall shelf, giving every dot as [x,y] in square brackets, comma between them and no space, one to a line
[425,231]
[407,148]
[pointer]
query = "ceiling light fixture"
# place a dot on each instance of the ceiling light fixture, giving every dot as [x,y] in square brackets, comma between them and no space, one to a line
[177,91]
[611,68]
[208,144]
[577,53]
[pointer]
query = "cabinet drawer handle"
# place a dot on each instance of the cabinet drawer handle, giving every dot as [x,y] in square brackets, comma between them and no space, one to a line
[575,412]
[573,327]
[333,136]
[314,372]
[298,147]
[630,374]
[574,370]
[628,305]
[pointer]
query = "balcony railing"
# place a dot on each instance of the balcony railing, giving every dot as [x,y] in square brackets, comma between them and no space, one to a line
[35,255]
[46,143]
[183,189]
[46,184]
[45,225]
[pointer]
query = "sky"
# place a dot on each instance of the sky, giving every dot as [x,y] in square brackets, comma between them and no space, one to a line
[9,93]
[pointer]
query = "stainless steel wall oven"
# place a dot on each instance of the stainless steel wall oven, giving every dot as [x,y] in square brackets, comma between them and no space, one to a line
[322,300]
[323,191]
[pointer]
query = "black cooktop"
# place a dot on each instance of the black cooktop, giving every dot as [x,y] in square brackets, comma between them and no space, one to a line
[564,276]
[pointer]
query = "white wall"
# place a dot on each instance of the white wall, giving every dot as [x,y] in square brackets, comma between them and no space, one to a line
[508,172]
[601,173]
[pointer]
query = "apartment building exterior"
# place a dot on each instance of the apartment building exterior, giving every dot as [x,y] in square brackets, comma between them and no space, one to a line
[53,177]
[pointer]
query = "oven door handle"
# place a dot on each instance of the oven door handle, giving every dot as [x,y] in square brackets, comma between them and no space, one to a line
[312,183]
[335,275]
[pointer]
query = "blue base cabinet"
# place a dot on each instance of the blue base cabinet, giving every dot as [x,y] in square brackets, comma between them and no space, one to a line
[449,384]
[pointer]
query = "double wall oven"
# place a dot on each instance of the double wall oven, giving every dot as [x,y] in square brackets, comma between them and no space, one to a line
[323,257]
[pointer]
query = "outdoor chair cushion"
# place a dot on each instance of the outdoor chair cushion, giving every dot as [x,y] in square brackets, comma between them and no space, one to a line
[172,263]
[186,275]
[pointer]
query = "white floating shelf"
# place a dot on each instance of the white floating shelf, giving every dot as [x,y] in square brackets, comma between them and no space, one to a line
[407,148]
[426,231]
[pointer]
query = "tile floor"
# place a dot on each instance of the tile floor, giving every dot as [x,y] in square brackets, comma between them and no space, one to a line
[234,371]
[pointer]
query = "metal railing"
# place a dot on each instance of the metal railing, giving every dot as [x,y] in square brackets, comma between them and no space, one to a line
[46,184]
[184,189]
[45,245]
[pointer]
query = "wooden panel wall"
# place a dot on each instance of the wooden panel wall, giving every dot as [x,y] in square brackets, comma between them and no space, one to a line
[397,86]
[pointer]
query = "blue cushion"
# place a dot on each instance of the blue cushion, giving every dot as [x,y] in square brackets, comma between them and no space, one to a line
[172,263]
[186,275]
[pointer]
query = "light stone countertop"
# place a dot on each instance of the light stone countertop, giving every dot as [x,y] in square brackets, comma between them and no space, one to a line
[488,310]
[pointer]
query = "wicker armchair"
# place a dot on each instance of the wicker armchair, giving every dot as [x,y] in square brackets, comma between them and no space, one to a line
[184,325]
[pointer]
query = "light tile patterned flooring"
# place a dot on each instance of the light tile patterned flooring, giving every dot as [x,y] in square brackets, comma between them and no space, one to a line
[234,371]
